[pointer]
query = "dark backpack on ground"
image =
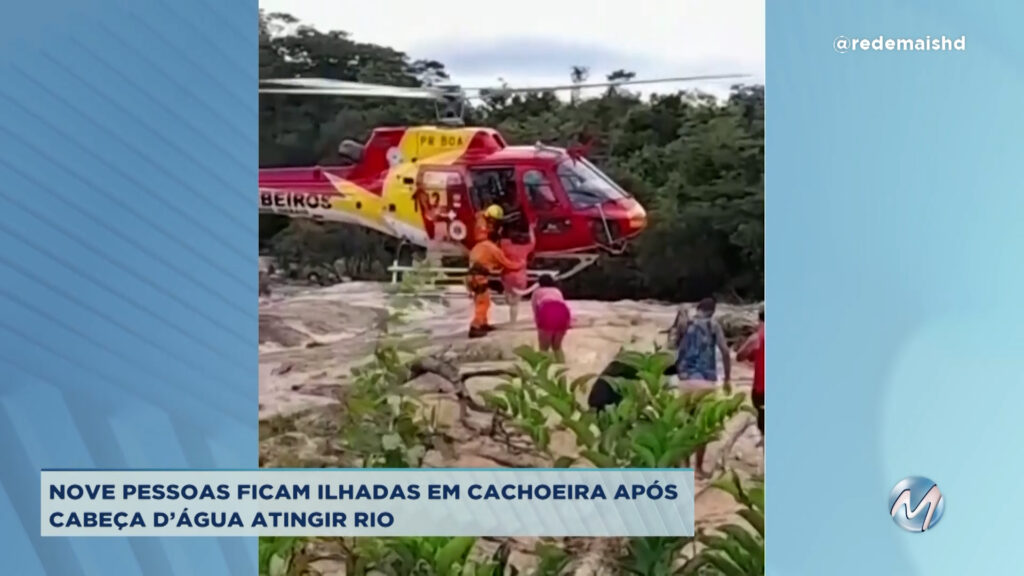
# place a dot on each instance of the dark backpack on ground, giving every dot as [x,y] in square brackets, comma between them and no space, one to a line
[603,393]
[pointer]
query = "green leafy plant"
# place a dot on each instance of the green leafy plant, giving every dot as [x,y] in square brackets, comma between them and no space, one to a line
[652,556]
[734,549]
[381,423]
[276,556]
[651,427]
[553,560]
[382,426]
[534,386]
[445,556]
[419,557]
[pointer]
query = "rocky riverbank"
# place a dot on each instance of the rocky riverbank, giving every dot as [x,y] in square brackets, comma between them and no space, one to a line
[310,339]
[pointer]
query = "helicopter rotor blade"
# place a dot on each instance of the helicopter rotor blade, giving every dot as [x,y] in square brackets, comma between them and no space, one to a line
[324,83]
[348,92]
[560,87]
[329,87]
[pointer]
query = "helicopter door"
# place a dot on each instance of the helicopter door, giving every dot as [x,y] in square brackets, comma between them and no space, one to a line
[546,212]
[444,200]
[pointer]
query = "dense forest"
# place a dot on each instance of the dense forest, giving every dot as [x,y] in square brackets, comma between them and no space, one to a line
[696,162]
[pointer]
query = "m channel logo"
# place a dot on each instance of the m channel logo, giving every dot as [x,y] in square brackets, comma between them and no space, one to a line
[916,504]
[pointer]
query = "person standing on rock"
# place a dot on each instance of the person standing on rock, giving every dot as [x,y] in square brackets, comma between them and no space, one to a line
[517,249]
[700,340]
[551,315]
[485,260]
[753,351]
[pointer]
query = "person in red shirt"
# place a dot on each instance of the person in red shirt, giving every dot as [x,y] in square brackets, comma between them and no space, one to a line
[753,351]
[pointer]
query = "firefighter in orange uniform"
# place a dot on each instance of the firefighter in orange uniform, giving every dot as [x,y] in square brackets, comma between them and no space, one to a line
[487,221]
[485,259]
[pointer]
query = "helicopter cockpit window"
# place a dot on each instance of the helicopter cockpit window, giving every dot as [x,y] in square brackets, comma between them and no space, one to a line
[539,191]
[586,185]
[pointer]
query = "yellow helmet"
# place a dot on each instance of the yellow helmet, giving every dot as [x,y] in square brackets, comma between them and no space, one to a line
[494,212]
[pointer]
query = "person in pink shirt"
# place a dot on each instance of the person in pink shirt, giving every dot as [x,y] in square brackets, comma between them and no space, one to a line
[551,315]
[517,249]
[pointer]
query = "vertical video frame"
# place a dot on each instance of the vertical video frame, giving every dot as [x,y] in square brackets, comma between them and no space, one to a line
[525,248]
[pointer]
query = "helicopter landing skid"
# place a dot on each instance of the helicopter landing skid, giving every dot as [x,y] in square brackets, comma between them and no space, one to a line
[445,275]
[583,261]
[430,266]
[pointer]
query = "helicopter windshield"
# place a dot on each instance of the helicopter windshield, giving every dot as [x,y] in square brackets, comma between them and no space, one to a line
[586,185]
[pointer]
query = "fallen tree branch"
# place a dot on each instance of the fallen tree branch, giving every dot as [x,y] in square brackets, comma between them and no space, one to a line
[492,373]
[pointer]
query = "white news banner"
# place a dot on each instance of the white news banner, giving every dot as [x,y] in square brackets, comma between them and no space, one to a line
[415,502]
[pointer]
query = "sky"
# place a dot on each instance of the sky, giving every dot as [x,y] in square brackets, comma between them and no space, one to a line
[536,42]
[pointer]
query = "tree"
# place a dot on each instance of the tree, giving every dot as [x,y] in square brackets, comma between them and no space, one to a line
[578,75]
[429,72]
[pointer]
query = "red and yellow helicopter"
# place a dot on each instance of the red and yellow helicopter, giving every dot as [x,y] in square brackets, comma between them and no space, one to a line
[424,185]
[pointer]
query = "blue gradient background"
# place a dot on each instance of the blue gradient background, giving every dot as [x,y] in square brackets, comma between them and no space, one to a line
[128,262]
[894,241]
